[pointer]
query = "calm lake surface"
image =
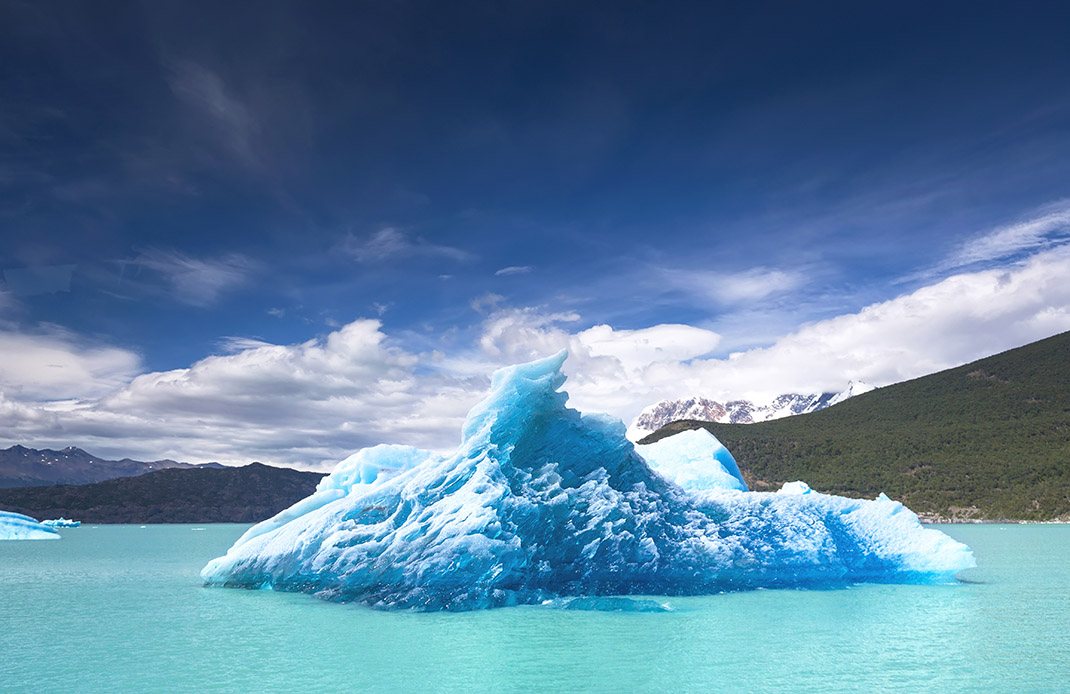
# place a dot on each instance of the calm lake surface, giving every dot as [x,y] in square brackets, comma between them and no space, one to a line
[121,608]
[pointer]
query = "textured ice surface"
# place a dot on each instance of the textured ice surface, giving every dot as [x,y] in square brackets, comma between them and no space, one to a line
[695,460]
[356,473]
[541,503]
[15,526]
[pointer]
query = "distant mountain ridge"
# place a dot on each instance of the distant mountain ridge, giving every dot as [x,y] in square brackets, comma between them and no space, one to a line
[31,467]
[739,411]
[191,494]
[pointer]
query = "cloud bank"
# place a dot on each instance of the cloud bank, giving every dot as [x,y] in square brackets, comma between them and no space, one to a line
[312,403]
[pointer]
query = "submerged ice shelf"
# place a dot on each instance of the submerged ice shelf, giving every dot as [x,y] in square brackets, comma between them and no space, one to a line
[541,502]
[15,526]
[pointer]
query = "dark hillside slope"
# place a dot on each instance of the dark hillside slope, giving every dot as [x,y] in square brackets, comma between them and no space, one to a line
[988,440]
[192,495]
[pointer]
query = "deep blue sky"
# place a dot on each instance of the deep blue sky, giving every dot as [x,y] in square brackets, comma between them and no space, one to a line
[266,170]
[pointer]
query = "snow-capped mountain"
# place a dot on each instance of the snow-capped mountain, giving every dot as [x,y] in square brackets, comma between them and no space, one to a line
[853,388]
[738,411]
[31,467]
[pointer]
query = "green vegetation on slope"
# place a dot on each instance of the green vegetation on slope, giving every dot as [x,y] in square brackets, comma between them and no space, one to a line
[988,440]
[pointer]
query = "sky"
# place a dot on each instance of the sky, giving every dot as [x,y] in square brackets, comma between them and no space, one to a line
[285,231]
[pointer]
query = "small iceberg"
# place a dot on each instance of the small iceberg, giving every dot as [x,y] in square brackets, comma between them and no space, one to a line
[542,503]
[61,523]
[15,526]
[799,488]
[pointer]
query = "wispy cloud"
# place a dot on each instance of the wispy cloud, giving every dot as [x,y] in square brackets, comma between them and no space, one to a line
[485,303]
[390,243]
[1047,228]
[755,284]
[204,92]
[232,344]
[728,288]
[1050,228]
[514,270]
[195,281]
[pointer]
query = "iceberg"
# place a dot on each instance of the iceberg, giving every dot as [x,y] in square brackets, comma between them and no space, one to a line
[541,504]
[15,526]
[61,523]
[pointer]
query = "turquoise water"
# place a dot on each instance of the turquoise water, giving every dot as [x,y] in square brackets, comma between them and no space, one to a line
[120,608]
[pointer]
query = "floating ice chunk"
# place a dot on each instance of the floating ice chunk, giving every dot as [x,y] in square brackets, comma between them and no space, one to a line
[61,523]
[695,460]
[15,526]
[542,503]
[799,488]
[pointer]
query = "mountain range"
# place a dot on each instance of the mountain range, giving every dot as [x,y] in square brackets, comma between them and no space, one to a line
[192,494]
[30,467]
[738,411]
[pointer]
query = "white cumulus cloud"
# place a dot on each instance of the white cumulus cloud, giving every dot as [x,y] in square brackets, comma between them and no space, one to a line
[953,321]
[313,402]
[53,364]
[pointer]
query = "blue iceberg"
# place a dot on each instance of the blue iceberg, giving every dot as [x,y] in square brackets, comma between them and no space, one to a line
[541,503]
[61,523]
[15,526]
